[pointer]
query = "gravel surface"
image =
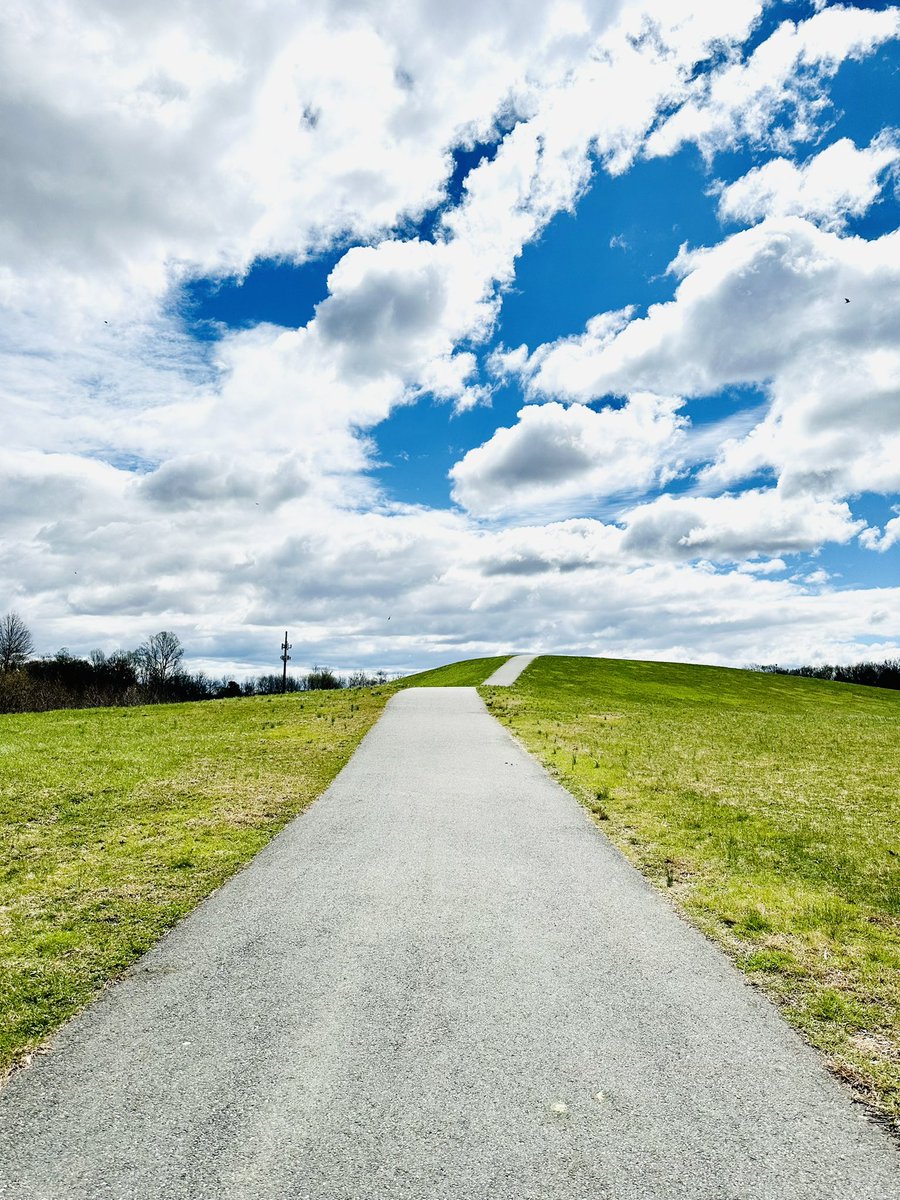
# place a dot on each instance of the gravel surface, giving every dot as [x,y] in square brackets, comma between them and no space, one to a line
[440,982]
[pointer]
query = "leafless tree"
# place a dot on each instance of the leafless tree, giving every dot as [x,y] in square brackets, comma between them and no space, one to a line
[159,657]
[15,642]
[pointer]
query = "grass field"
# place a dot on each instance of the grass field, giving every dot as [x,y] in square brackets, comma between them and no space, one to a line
[471,673]
[115,822]
[767,807]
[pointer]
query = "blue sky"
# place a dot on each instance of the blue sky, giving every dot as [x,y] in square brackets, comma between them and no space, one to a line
[545,347]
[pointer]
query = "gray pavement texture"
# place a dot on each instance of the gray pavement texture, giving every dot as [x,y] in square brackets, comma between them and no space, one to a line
[441,981]
[509,672]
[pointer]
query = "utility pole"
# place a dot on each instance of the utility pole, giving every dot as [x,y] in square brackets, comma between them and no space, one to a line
[285,646]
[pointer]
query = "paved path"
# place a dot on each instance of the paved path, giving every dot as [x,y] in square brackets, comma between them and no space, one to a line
[509,672]
[440,982]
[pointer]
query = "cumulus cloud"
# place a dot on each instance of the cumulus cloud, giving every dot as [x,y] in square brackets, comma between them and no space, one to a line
[401,308]
[831,430]
[736,528]
[196,480]
[839,182]
[775,97]
[768,307]
[146,146]
[36,487]
[211,137]
[451,589]
[765,566]
[146,139]
[555,453]
[884,539]
[746,310]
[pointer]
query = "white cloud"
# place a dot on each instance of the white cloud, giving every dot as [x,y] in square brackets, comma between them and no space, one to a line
[144,146]
[767,307]
[881,540]
[556,454]
[817,578]
[736,528]
[536,551]
[833,428]
[837,183]
[746,310]
[766,566]
[212,137]
[144,138]
[35,488]
[400,307]
[505,364]
[782,78]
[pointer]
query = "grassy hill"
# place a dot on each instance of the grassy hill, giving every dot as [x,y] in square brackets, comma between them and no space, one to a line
[767,807]
[470,673]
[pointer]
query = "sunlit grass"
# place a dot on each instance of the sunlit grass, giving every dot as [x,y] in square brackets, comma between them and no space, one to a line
[462,674]
[766,807]
[116,822]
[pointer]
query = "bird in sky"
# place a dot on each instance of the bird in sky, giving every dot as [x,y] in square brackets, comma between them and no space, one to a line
[846,301]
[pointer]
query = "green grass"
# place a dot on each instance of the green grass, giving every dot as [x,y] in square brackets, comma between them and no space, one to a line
[116,822]
[767,807]
[471,673]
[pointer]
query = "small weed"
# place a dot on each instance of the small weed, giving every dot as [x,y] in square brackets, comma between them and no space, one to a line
[598,805]
[773,961]
[733,852]
[831,915]
[753,921]
[829,1005]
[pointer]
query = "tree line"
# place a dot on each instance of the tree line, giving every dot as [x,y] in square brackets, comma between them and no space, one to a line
[871,674]
[152,673]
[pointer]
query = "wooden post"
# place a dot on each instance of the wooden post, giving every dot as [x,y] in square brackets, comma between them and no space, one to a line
[285,646]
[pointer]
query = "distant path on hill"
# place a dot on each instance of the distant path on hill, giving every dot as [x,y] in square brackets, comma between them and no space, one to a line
[510,671]
[440,983]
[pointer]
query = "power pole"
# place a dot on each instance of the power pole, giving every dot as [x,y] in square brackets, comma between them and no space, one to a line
[285,646]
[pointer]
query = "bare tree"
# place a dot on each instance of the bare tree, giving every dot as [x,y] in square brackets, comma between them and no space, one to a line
[159,657]
[15,642]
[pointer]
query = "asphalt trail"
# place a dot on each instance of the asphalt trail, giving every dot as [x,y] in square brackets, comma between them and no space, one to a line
[507,673]
[441,981]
